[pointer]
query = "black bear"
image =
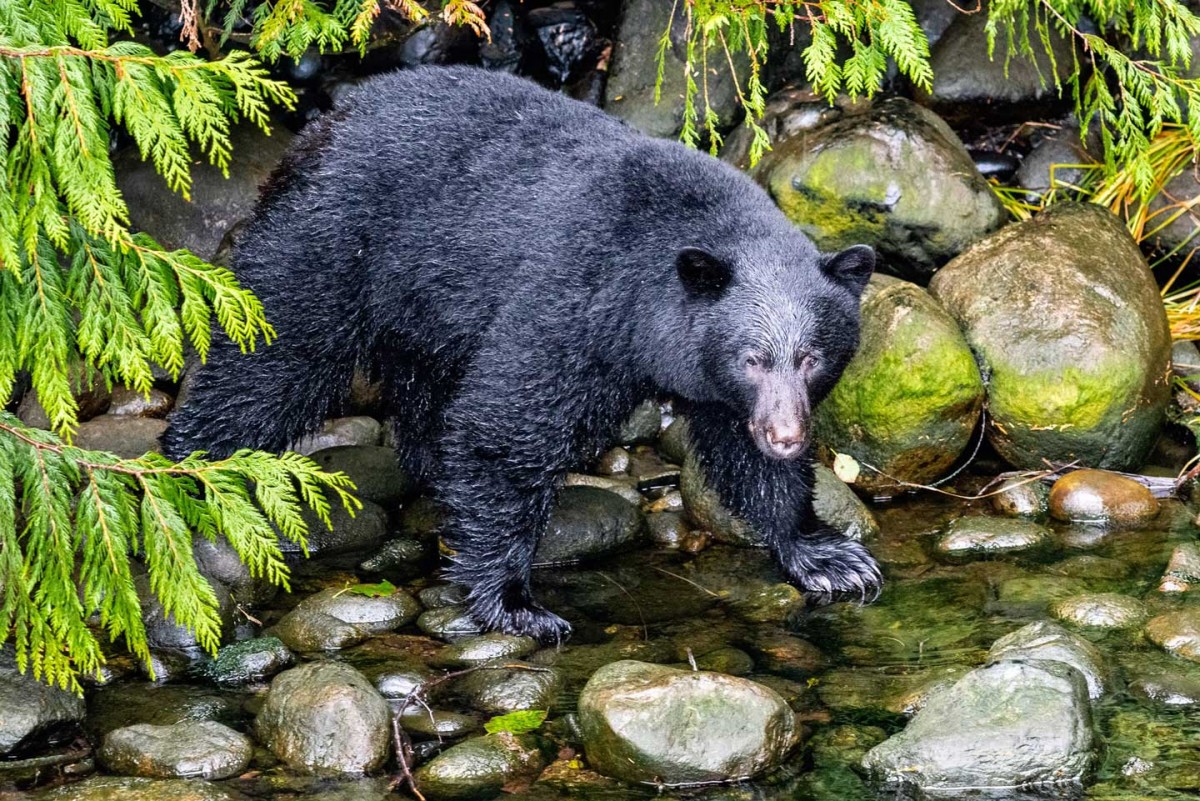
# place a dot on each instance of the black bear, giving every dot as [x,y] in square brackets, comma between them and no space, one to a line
[521,270]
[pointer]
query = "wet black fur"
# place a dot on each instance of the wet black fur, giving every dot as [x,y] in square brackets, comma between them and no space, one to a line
[505,258]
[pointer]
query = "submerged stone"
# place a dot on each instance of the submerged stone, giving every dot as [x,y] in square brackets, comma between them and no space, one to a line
[1021,497]
[1104,610]
[1098,497]
[652,723]
[1170,690]
[480,768]
[1007,725]
[1068,325]
[484,648]
[1177,633]
[1049,642]
[200,749]
[979,535]
[1183,569]
[120,788]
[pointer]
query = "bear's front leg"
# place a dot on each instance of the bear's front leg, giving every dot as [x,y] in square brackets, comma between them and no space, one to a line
[519,422]
[776,498]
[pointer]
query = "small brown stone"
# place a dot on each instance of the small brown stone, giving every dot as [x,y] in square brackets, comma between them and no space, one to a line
[1101,497]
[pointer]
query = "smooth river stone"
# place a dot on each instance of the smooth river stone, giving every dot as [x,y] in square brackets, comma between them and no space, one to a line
[1177,633]
[1183,568]
[1100,497]
[1104,610]
[978,536]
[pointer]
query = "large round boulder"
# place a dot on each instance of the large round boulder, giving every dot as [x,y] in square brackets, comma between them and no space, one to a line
[652,723]
[1069,329]
[326,718]
[911,397]
[893,176]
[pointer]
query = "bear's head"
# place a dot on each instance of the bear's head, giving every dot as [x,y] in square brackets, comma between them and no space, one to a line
[777,324]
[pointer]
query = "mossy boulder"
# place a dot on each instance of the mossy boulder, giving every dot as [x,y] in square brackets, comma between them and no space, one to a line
[1068,326]
[893,175]
[911,397]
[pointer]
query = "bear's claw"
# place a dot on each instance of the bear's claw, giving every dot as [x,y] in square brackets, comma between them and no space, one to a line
[527,618]
[831,567]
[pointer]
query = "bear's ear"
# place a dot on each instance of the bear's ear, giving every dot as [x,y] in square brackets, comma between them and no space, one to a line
[702,274]
[851,267]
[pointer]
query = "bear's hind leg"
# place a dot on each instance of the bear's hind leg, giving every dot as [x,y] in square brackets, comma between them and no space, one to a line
[776,498]
[264,400]
[416,391]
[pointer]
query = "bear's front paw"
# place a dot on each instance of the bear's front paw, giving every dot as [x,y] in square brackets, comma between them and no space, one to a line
[521,616]
[831,567]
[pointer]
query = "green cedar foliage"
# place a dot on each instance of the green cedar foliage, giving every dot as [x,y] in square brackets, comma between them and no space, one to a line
[82,297]
[1129,82]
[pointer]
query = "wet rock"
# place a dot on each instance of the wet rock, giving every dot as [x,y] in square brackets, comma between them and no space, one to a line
[128,402]
[92,397]
[374,470]
[1172,690]
[1183,569]
[642,426]
[586,523]
[480,768]
[422,518]
[363,531]
[1068,325]
[33,714]
[1101,498]
[836,504]
[785,654]
[448,623]
[760,602]
[510,36]
[119,788]
[1006,725]
[340,432]
[1048,164]
[439,596]
[1049,642]
[161,629]
[190,749]
[979,535]
[484,648]
[127,437]
[634,72]
[399,680]
[128,704]
[1020,497]
[911,397]
[325,718]
[1177,633]
[667,530]
[509,686]
[730,661]
[400,556]
[651,723]
[1089,566]
[568,39]
[614,462]
[893,175]
[215,203]
[994,164]
[437,723]
[1032,596]
[249,661]
[371,613]
[1103,610]
[967,84]
[219,562]
[307,630]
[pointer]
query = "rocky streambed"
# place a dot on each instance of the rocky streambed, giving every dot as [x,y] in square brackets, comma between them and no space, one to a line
[1039,640]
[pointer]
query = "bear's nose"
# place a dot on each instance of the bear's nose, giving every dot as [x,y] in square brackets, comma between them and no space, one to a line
[785,436]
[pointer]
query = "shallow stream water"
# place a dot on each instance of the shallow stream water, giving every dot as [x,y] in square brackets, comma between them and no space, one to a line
[852,672]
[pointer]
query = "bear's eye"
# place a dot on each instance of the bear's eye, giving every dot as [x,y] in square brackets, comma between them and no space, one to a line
[805,361]
[754,360]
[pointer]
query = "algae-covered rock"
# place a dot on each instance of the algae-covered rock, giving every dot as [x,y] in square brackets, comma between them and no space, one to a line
[652,723]
[981,535]
[893,176]
[1069,329]
[911,397]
